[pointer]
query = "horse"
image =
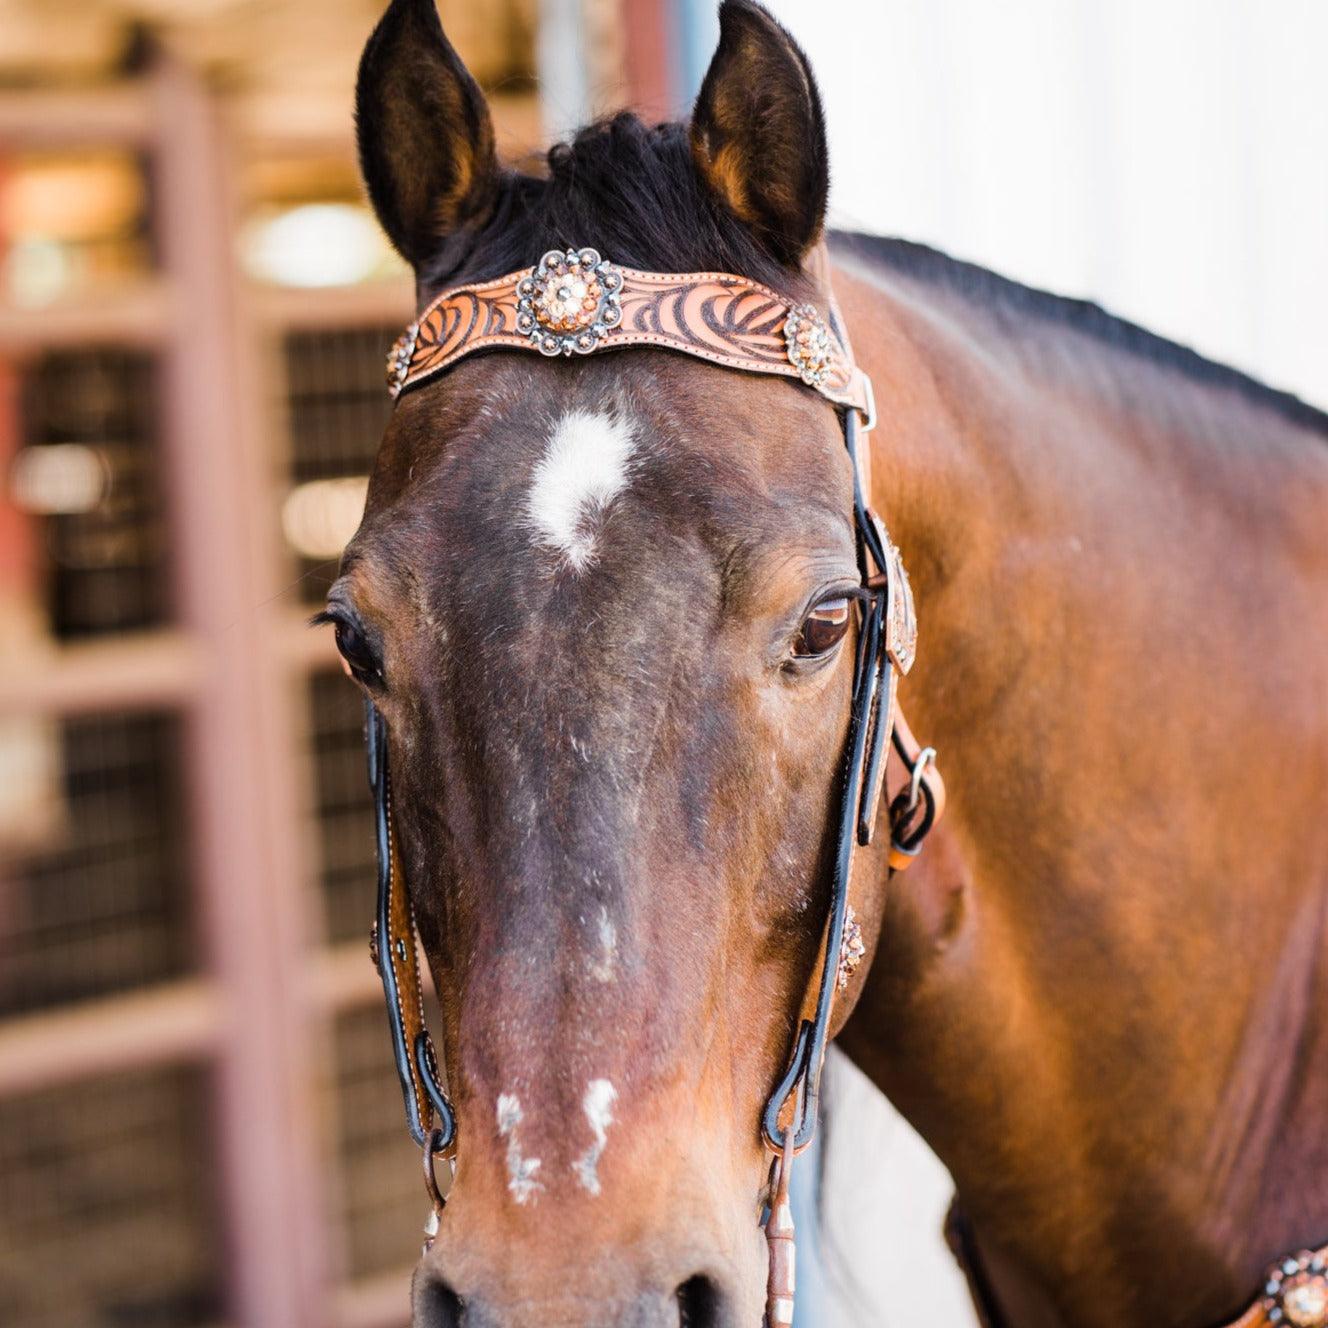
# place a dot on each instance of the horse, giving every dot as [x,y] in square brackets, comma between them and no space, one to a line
[603,607]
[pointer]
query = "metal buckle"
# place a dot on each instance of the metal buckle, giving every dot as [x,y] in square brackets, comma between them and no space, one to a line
[904,847]
[926,757]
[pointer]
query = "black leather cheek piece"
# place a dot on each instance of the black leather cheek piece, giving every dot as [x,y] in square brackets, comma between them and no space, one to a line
[395,952]
[798,1093]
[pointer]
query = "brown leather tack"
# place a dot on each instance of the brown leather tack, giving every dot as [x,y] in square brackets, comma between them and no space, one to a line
[725,319]
[403,955]
[1295,1294]
[571,303]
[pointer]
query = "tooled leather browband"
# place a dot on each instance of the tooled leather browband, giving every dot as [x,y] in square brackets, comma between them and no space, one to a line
[574,302]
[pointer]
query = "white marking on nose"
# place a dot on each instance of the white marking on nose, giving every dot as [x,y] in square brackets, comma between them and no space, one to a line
[598,1106]
[602,966]
[586,464]
[520,1170]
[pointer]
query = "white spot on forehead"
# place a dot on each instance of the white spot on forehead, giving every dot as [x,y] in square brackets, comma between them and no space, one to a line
[520,1170]
[598,1106]
[586,464]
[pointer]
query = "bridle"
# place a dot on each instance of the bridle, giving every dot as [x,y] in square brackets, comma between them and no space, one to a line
[573,303]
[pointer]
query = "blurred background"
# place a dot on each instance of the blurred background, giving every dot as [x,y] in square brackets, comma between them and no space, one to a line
[199,1124]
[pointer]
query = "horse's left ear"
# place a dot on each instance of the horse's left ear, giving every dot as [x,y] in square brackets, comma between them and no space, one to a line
[758,132]
[425,135]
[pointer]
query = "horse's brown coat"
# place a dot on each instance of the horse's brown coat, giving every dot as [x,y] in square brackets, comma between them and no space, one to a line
[623,745]
[1099,993]
[1102,994]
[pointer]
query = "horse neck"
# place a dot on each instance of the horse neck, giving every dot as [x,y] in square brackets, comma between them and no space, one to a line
[1101,995]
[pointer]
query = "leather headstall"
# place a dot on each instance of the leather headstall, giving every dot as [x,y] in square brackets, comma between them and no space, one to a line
[575,303]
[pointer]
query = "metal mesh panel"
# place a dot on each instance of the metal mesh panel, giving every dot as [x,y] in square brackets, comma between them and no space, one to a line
[343,806]
[99,903]
[383,1204]
[338,409]
[106,1215]
[107,564]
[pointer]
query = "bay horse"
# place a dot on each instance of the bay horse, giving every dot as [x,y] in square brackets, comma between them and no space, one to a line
[601,605]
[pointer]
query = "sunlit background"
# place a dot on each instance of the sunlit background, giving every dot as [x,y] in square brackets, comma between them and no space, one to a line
[198,1119]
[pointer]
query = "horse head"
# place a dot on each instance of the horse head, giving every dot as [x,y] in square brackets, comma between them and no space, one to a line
[604,606]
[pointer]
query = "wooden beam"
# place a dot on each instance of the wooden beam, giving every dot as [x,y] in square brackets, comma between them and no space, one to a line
[76,118]
[342,977]
[289,309]
[173,1022]
[161,669]
[128,313]
[306,649]
[380,1302]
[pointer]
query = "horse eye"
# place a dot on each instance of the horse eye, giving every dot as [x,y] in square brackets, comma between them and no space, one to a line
[823,628]
[357,652]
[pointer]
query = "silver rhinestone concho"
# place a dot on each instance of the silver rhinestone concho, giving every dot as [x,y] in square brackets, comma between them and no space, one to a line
[399,358]
[568,305]
[1297,1292]
[851,949]
[808,341]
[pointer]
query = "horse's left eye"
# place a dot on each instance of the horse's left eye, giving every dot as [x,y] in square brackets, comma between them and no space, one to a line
[823,628]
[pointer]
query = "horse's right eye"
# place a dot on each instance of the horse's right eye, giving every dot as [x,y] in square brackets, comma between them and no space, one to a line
[823,628]
[357,652]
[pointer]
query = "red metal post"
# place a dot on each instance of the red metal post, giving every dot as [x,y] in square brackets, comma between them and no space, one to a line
[247,823]
[648,48]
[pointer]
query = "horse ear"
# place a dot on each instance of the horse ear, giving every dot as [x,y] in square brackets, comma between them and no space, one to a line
[758,132]
[425,136]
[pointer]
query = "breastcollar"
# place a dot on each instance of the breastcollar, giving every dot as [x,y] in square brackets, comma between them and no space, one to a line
[1294,1293]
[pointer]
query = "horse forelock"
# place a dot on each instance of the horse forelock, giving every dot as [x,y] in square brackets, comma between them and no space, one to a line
[629,190]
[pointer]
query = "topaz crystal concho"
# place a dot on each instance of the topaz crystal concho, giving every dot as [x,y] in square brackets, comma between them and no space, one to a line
[1297,1292]
[569,303]
[808,341]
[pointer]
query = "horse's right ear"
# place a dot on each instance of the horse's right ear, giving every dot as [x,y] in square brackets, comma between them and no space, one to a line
[425,136]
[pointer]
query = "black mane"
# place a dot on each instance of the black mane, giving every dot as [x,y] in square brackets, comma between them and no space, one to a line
[632,191]
[627,189]
[1012,302]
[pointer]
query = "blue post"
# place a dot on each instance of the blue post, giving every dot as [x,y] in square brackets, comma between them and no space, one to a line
[697,35]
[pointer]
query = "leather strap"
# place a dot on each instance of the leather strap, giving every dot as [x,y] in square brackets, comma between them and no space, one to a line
[1294,1295]
[714,316]
[963,1248]
[394,948]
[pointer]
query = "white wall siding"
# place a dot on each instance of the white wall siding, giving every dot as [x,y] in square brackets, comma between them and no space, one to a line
[1168,158]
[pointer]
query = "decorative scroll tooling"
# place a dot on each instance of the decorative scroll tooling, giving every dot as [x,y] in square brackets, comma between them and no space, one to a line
[725,319]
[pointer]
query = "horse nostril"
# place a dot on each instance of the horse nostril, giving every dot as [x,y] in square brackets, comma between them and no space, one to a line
[437,1305]
[698,1303]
